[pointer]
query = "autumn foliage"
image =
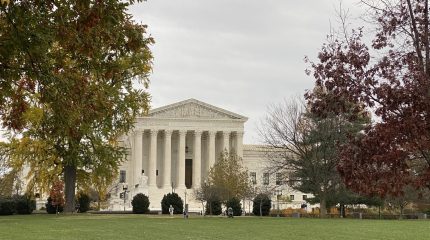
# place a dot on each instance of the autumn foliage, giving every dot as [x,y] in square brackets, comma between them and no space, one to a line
[73,79]
[390,77]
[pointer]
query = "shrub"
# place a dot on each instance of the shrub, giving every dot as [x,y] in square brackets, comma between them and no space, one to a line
[265,202]
[174,200]
[7,206]
[235,204]
[52,208]
[83,202]
[140,203]
[213,207]
[24,204]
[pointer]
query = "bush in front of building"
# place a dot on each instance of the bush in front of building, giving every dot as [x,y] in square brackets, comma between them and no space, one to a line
[140,204]
[174,200]
[263,201]
[213,207]
[235,204]
[7,206]
[83,202]
[24,204]
[52,207]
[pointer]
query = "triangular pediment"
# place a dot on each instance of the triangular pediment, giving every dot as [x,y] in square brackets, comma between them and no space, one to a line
[193,108]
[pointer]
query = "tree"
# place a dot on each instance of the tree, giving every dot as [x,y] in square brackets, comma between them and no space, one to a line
[305,146]
[84,202]
[235,204]
[228,178]
[6,176]
[390,77]
[174,200]
[56,198]
[261,205]
[140,203]
[213,206]
[67,73]
[207,194]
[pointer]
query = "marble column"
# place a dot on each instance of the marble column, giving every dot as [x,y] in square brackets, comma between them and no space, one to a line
[167,172]
[239,143]
[211,150]
[152,176]
[181,160]
[138,156]
[226,141]
[197,161]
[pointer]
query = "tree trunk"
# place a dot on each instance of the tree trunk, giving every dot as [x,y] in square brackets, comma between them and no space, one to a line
[69,188]
[261,208]
[323,208]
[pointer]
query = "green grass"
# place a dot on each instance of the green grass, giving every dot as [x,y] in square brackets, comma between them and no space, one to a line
[117,227]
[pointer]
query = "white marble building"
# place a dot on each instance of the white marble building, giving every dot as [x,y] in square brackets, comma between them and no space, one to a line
[173,148]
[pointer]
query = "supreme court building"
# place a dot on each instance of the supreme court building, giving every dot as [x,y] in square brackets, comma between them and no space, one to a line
[173,148]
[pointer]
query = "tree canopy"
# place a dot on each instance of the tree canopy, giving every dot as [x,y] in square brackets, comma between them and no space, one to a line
[305,147]
[68,75]
[389,76]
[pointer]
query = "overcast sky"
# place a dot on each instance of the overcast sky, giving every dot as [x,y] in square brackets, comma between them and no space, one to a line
[240,55]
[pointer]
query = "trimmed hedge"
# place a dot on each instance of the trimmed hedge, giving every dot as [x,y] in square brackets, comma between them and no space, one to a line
[7,206]
[24,204]
[235,204]
[174,200]
[140,203]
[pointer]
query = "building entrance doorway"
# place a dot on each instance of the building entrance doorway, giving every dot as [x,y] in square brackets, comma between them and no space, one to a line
[188,173]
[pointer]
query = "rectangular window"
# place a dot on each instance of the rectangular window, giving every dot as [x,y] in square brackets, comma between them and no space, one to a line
[305,197]
[253,176]
[278,179]
[266,178]
[122,176]
[291,197]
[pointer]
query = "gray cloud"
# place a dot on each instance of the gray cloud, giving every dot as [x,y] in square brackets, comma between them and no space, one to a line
[241,55]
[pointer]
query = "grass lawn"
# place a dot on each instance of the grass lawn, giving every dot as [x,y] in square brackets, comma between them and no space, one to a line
[106,227]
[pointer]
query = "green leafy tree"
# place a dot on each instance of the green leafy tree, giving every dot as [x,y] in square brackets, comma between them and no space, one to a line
[140,203]
[68,75]
[261,205]
[84,202]
[174,200]
[235,204]
[213,206]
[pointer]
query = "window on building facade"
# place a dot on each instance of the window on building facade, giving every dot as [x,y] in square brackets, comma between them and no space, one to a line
[278,179]
[305,197]
[253,176]
[266,178]
[291,197]
[122,176]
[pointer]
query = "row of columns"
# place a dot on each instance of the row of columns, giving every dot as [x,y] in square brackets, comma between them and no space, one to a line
[167,168]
